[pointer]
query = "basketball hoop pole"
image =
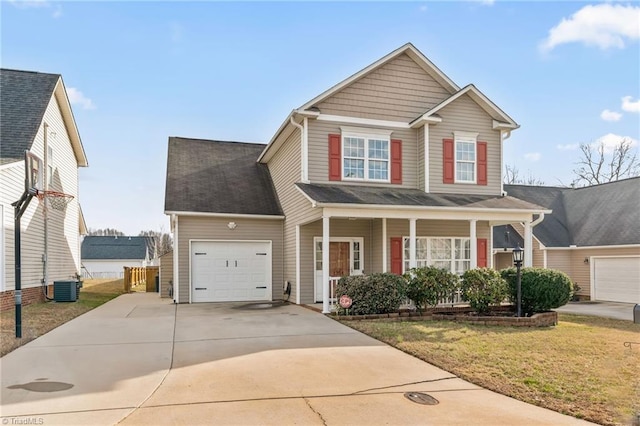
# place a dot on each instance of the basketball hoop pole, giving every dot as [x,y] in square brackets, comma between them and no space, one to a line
[19,208]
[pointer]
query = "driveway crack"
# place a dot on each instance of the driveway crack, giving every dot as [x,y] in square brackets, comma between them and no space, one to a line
[324,422]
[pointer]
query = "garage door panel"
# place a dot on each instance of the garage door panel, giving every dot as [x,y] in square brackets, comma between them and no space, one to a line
[617,279]
[231,271]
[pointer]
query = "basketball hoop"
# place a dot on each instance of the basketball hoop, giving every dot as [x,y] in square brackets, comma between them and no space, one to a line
[57,200]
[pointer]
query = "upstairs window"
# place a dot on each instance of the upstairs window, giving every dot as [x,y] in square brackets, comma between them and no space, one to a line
[466,158]
[365,156]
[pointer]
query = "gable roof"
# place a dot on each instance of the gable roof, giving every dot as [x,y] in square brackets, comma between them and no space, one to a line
[598,215]
[24,97]
[407,197]
[207,176]
[111,247]
[408,49]
[501,119]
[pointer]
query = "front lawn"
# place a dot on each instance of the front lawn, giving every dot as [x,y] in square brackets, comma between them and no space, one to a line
[581,367]
[40,318]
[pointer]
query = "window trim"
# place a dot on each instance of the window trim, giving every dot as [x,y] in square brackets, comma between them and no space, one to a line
[428,260]
[465,137]
[367,135]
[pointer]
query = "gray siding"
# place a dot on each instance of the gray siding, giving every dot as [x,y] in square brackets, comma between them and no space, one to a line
[319,153]
[166,273]
[464,114]
[399,91]
[214,228]
[284,167]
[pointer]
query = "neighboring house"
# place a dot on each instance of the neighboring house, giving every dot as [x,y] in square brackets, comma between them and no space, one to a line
[35,115]
[394,167]
[106,256]
[592,235]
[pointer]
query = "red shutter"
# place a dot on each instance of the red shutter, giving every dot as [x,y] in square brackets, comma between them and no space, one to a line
[335,157]
[482,163]
[482,252]
[448,160]
[396,161]
[396,255]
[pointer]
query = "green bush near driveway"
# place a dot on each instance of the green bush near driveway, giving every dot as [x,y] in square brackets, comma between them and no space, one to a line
[380,293]
[429,285]
[483,287]
[542,289]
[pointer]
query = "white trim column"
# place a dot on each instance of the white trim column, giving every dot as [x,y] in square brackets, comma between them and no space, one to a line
[298,264]
[176,261]
[528,245]
[490,248]
[473,244]
[426,157]
[412,243]
[384,244]
[325,264]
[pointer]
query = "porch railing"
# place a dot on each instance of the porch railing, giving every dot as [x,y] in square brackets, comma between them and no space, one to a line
[333,283]
[452,300]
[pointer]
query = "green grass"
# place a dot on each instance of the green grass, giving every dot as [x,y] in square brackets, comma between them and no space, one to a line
[580,367]
[40,318]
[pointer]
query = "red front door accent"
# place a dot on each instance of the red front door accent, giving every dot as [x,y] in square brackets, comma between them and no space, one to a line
[396,255]
[482,252]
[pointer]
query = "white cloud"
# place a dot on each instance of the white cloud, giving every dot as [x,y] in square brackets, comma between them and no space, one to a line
[533,156]
[38,4]
[76,97]
[611,140]
[423,8]
[604,25]
[607,115]
[57,12]
[568,147]
[488,2]
[629,105]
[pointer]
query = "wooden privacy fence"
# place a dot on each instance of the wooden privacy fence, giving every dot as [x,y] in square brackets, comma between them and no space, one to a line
[134,276]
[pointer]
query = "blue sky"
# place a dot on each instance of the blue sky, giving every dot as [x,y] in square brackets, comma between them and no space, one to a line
[139,72]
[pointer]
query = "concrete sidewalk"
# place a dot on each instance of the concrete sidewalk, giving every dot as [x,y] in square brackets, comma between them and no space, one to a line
[615,310]
[141,360]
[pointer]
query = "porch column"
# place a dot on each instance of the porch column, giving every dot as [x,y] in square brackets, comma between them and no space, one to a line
[325,264]
[412,243]
[384,244]
[298,264]
[473,243]
[528,245]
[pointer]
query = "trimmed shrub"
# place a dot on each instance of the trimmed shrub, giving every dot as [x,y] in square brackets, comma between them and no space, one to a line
[483,287]
[542,289]
[372,294]
[429,285]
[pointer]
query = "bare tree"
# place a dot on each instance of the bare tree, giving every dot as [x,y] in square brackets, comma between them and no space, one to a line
[160,241]
[512,177]
[597,165]
[105,232]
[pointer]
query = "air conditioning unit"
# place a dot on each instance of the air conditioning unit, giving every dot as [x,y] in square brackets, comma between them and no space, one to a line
[65,291]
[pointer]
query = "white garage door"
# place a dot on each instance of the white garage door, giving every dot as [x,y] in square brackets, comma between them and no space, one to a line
[230,271]
[617,279]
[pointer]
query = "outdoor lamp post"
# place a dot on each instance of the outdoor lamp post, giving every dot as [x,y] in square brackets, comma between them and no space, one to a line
[518,255]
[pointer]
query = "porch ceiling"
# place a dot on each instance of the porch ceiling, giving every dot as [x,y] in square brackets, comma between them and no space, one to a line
[407,197]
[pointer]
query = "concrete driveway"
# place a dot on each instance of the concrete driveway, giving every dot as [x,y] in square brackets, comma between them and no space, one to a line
[141,360]
[615,310]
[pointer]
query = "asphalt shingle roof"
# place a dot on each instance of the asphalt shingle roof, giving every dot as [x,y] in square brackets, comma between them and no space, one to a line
[111,247]
[218,177]
[24,96]
[505,236]
[355,194]
[599,215]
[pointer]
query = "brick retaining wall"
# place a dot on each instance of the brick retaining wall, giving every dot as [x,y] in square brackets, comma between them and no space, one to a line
[29,295]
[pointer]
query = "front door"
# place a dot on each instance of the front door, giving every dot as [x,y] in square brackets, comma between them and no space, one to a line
[345,258]
[339,259]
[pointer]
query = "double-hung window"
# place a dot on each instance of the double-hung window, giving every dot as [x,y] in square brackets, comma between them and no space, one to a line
[466,157]
[365,156]
[452,254]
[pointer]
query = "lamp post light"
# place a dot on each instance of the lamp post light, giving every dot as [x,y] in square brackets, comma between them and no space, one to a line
[518,255]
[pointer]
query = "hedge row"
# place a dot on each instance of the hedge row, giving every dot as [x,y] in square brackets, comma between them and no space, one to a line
[542,289]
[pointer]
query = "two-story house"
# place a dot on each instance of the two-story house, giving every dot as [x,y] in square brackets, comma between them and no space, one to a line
[394,167]
[36,116]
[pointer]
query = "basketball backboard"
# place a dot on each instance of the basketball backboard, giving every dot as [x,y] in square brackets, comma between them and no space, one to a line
[34,178]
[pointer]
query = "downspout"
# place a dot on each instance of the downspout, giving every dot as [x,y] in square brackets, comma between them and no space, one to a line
[176,247]
[303,146]
[504,135]
[538,220]
[45,212]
